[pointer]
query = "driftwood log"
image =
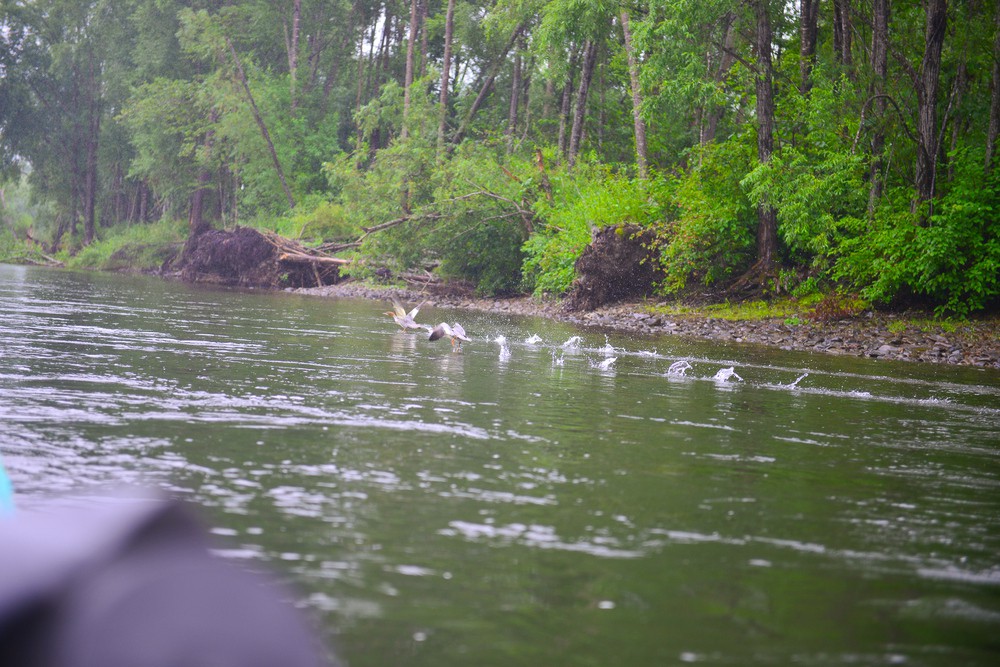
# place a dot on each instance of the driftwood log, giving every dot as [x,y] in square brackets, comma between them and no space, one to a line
[618,264]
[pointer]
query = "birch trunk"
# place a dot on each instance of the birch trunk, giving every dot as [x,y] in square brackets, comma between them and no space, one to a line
[639,125]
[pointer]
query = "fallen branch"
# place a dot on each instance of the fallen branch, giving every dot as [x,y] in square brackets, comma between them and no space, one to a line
[337,247]
[28,259]
[424,279]
[314,259]
[526,215]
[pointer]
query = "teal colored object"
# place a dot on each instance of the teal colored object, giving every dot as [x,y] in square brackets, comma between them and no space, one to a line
[6,492]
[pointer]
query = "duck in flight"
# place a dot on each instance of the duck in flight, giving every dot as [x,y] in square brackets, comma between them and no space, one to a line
[406,320]
[455,332]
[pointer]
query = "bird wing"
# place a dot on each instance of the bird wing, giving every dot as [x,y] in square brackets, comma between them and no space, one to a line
[440,331]
[416,309]
[398,307]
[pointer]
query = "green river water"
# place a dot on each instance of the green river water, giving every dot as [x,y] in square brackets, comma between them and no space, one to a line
[524,503]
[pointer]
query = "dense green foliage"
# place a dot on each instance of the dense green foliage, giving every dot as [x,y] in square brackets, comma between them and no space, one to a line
[870,150]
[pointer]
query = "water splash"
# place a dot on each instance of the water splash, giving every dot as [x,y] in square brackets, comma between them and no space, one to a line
[504,348]
[607,363]
[608,348]
[726,374]
[648,353]
[557,361]
[797,380]
[533,339]
[573,343]
[679,368]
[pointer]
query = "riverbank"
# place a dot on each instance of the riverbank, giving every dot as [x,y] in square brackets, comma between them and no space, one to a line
[904,337]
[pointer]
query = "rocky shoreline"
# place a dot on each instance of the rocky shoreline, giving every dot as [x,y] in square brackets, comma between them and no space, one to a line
[871,334]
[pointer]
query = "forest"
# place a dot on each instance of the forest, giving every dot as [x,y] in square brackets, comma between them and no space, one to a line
[766,147]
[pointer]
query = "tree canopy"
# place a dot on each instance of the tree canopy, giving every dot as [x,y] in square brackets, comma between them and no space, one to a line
[767,145]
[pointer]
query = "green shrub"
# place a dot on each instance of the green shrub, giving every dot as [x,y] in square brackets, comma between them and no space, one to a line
[712,236]
[816,194]
[314,220]
[953,258]
[588,199]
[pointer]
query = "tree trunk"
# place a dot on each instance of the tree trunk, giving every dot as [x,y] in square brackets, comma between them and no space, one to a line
[364,75]
[337,60]
[710,122]
[487,84]
[424,11]
[548,97]
[515,99]
[842,32]
[293,51]
[638,124]
[260,123]
[90,196]
[808,19]
[955,104]
[880,68]
[197,224]
[379,64]
[565,102]
[408,80]
[767,219]
[93,139]
[580,112]
[75,189]
[994,130]
[927,90]
[449,23]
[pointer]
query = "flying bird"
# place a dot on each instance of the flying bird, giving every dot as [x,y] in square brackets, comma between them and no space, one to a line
[404,319]
[455,332]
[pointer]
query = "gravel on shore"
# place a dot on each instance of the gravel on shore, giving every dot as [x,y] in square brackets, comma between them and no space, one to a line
[871,334]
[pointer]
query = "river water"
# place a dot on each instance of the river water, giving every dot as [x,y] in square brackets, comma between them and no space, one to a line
[524,502]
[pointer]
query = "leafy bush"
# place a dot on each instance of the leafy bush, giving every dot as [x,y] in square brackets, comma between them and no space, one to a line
[712,235]
[464,213]
[815,196]
[588,199]
[953,258]
[314,220]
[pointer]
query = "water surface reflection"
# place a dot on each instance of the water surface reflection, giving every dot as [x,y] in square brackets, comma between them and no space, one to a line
[527,507]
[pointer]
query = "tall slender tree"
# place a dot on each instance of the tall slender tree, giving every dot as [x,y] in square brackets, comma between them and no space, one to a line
[449,30]
[993,132]
[638,124]
[410,51]
[927,83]
[880,68]
[767,216]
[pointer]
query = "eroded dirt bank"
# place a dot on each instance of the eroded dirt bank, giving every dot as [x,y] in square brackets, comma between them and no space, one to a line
[872,334]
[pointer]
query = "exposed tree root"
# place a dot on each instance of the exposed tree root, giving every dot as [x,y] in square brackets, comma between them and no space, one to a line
[248,258]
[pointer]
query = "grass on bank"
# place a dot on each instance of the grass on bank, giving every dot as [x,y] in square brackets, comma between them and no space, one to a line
[134,248]
[797,311]
[787,308]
